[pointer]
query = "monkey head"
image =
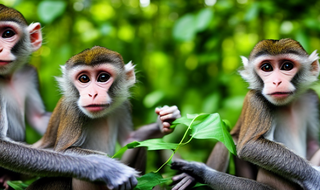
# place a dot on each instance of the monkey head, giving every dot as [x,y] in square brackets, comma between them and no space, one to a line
[280,69]
[97,80]
[17,39]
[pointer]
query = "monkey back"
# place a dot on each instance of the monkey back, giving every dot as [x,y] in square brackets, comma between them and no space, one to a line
[10,14]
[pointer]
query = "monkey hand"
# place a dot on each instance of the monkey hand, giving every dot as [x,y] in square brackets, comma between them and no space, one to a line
[183,181]
[193,172]
[166,116]
[110,171]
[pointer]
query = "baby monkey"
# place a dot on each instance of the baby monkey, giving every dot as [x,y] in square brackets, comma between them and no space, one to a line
[94,113]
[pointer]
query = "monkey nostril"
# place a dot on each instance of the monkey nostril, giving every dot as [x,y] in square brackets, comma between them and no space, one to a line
[277,83]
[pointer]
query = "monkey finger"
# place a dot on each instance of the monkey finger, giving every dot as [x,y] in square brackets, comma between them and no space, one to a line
[158,110]
[185,183]
[133,182]
[169,110]
[179,177]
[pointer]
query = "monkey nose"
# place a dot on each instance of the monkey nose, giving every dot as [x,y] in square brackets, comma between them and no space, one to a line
[1,49]
[93,95]
[277,83]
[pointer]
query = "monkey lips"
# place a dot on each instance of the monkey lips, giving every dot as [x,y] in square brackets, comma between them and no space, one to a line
[2,62]
[96,107]
[281,94]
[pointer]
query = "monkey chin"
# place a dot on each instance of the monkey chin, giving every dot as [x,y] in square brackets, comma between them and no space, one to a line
[281,99]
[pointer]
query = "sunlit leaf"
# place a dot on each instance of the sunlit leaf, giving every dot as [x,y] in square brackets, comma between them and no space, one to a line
[184,29]
[50,10]
[149,180]
[203,19]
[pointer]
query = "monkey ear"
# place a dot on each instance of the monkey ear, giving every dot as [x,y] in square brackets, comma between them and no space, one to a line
[34,30]
[245,61]
[130,75]
[314,63]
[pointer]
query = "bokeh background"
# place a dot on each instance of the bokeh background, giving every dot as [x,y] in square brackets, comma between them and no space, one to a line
[187,52]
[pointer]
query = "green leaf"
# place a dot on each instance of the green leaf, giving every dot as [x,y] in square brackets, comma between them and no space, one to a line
[17,185]
[50,10]
[157,144]
[203,19]
[212,127]
[149,180]
[126,147]
[184,29]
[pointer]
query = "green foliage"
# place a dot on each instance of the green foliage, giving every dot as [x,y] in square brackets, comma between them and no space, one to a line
[202,126]
[50,10]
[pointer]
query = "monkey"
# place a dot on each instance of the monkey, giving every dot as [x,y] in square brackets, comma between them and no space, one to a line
[276,134]
[19,98]
[94,111]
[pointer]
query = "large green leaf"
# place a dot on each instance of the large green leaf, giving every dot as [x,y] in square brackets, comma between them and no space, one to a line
[50,10]
[212,127]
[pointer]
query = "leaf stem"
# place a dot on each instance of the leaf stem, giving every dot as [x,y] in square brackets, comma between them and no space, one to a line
[180,143]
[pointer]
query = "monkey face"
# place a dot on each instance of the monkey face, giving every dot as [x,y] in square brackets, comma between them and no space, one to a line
[10,33]
[17,42]
[277,73]
[93,84]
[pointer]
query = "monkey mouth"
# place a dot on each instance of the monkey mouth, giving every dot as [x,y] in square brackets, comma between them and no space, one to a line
[3,62]
[96,107]
[281,94]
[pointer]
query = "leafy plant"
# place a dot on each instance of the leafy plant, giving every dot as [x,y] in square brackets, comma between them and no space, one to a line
[202,126]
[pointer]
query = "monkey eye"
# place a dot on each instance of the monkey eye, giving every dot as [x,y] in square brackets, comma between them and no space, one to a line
[103,77]
[266,67]
[8,33]
[84,79]
[287,66]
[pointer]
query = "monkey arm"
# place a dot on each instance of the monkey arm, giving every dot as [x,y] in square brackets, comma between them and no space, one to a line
[272,156]
[40,162]
[36,114]
[216,179]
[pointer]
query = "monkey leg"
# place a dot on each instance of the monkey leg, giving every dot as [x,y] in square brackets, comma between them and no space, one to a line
[51,183]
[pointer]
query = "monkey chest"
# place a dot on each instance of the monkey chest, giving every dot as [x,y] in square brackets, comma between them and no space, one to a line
[100,135]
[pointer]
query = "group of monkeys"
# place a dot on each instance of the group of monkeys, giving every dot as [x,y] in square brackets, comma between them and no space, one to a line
[276,134]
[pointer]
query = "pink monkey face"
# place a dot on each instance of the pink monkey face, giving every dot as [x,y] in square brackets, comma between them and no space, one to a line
[10,33]
[276,74]
[93,84]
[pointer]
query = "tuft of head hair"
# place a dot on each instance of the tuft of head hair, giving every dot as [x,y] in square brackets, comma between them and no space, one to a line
[277,47]
[96,55]
[10,14]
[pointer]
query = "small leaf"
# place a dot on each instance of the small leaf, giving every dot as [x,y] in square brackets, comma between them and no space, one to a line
[17,185]
[203,19]
[149,180]
[50,10]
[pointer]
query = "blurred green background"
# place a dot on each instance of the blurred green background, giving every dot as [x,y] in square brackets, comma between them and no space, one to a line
[186,52]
